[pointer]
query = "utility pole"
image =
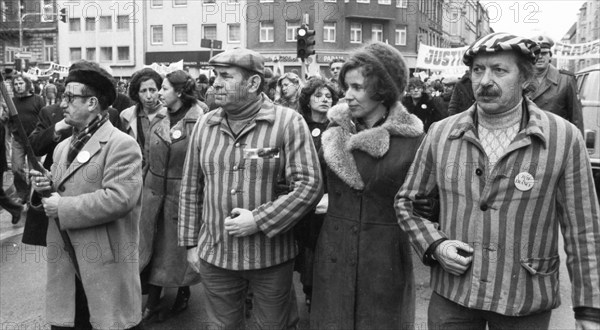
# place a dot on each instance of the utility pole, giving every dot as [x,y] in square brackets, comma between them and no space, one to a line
[19,11]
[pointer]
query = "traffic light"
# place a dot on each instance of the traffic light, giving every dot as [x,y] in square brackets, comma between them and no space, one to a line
[63,15]
[306,41]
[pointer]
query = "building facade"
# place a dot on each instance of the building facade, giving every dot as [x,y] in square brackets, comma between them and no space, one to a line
[588,29]
[107,32]
[28,28]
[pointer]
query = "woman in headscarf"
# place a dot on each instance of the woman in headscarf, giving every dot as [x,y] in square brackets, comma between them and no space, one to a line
[169,138]
[363,277]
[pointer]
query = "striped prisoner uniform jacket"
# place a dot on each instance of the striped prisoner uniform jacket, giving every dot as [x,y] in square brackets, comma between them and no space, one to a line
[513,231]
[222,172]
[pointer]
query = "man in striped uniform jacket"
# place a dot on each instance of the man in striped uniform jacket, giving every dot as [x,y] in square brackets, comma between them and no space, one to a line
[507,175]
[251,172]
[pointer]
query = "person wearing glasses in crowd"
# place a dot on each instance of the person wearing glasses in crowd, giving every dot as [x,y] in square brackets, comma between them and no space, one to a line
[168,140]
[363,271]
[508,175]
[422,104]
[289,86]
[556,90]
[97,182]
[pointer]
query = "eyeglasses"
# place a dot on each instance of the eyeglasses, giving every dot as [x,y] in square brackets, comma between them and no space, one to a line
[69,97]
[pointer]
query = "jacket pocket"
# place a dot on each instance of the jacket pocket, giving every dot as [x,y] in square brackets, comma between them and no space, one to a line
[106,251]
[541,266]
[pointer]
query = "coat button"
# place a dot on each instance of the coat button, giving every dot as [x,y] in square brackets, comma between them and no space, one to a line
[334,260]
[354,229]
[233,191]
[61,189]
[479,172]
[235,167]
[484,207]
[336,227]
[237,145]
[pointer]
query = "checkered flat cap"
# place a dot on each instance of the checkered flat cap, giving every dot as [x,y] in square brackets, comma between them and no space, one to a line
[240,57]
[500,42]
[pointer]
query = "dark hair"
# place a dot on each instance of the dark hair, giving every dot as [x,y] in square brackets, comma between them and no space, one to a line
[184,84]
[140,77]
[211,80]
[246,74]
[313,85]
[336,60]
[202,78]
[415,82]
[376,87]
[28,82]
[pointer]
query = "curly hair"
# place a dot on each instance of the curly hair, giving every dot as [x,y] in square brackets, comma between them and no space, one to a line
[313,85]
[384,70]
[183,83]
[140,77]
[28,82]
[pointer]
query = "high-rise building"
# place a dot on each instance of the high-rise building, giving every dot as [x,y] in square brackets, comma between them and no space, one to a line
[588,29]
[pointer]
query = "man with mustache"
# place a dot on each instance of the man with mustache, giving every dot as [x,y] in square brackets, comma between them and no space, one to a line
[555,90]
[507,174]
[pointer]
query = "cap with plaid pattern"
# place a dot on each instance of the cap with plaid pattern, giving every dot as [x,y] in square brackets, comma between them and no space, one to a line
[500,42]
[240,57]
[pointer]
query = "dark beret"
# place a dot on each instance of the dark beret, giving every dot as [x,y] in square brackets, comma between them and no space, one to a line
[242,58]
[92,75]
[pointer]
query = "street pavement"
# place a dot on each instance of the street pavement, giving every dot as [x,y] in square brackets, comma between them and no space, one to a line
[23,276]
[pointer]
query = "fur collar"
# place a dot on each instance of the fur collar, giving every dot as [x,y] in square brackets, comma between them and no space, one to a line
[341,139]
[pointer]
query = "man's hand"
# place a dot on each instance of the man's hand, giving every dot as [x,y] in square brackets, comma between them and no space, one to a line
[51,205]
[586,325]
[194,259]
[61,126]
[241,223]
[447,253]
[323,205]
[41,181]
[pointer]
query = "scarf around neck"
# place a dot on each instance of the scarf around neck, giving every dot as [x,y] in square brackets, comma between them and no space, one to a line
[80,138]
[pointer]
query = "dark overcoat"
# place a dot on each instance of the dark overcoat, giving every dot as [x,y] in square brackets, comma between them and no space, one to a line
[363,276]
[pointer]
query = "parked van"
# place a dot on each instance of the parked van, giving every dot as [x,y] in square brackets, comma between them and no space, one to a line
[588,85]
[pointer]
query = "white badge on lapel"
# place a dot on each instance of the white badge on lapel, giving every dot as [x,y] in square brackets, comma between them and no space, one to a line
[316,132]
[83,157]
[524,181]
[176,134]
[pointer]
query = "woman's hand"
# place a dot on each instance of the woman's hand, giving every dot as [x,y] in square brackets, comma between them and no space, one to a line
[41,182]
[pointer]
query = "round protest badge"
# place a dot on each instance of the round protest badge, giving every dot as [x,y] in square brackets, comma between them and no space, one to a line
[83,157]
[316,132]
[177,134]
[524,181]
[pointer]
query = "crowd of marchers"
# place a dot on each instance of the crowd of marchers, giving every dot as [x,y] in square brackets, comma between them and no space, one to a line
[235,182]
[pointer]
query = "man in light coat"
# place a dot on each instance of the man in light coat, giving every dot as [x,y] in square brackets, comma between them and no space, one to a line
[508,175]
[97,178]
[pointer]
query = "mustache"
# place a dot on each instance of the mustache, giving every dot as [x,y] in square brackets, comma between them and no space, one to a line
[488,91]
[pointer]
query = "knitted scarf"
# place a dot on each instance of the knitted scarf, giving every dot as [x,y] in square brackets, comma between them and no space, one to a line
[80,138]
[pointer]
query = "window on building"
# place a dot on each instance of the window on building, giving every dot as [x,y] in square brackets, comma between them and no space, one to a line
[123,22]
[267,32]
[362,1]
[75,24]
[47,10]
[106,54]
[179,3]
[180,34]
[90,54]
[377,32]
[90,23]
[105,23]
[290,31]
[74,54]
[401,36]
[454,23]
[209,31]
[401,3]
[385,2]
[233,33]
[330,1]
[292,0]
[156,33]
[355,33]
[48,49]
[156,3]
[266,1]
[329,32]
[209,1]
[9,55]
[123,53]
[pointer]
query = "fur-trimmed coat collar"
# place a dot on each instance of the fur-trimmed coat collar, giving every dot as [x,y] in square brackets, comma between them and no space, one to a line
[341,139]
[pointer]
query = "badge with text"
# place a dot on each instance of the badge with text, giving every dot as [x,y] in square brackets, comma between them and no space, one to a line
[316,132]
[83,157]
[255,153]
[524,181]
[176,134]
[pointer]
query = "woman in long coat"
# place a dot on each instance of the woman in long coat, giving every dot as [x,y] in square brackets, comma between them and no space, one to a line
[363,277]
[168,140]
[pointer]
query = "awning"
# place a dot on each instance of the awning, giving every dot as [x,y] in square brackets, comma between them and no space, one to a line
[194,58]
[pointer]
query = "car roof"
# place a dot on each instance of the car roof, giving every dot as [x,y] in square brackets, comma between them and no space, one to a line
[594,67]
